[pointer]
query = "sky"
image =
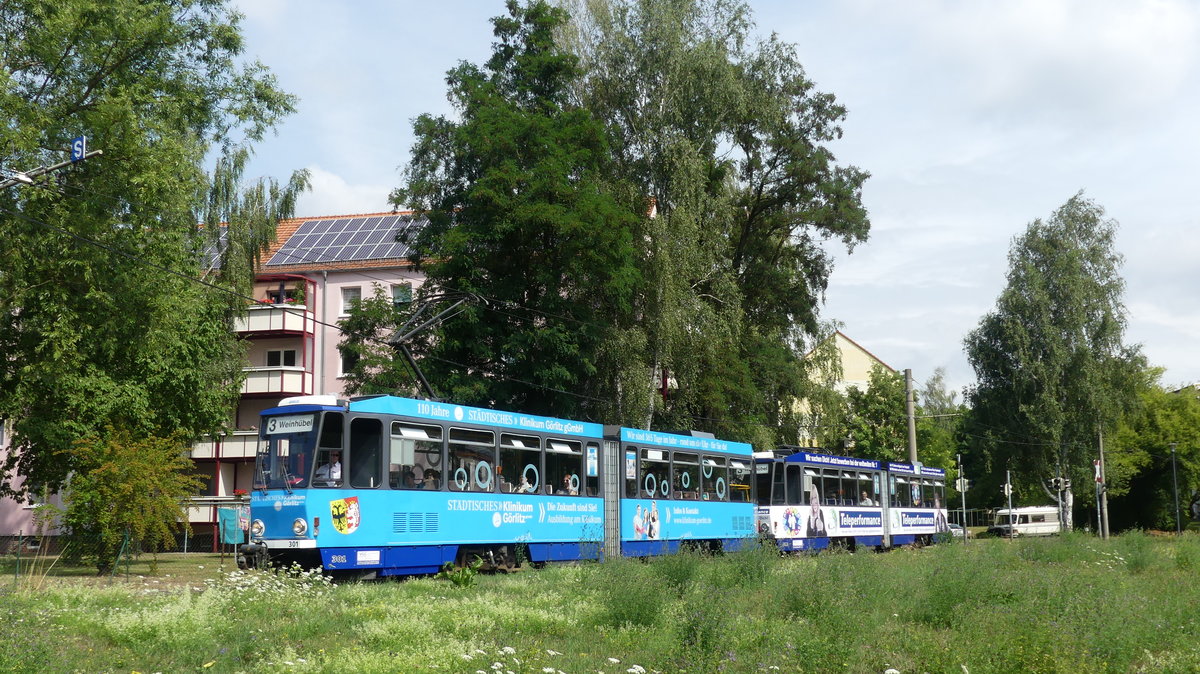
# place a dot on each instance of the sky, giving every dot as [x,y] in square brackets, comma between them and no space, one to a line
[974,119]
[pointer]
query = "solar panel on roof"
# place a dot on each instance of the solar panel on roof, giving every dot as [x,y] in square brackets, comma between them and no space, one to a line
[346,239]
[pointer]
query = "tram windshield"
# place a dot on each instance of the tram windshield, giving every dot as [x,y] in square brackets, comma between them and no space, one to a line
[285,451]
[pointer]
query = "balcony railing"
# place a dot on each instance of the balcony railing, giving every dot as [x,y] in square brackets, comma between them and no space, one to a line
[276,319]
[203,509]
[235,445]
[277,380]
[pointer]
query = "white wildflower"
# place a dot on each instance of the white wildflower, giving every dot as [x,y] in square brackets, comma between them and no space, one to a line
[508,650]
[467,656]
[636,669]
[548,670]
[553,653]
[614,661]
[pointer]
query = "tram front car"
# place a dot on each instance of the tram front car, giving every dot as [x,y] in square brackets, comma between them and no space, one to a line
[298,442]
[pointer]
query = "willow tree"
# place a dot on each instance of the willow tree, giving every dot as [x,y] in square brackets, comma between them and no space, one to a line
[727,141]
[114,310]
[1052,367]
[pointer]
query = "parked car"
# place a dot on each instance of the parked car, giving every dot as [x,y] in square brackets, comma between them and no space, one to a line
[957,531]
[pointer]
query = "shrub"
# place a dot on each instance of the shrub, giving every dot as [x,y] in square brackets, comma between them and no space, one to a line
[1139,551]
[630,594]
[461,576]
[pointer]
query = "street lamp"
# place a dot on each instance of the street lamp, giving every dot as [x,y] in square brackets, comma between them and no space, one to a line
[1175,488]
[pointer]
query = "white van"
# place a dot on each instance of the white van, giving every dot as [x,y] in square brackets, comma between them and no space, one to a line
[1027,521]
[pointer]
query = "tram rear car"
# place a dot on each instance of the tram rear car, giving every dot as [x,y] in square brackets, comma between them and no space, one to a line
[811,501]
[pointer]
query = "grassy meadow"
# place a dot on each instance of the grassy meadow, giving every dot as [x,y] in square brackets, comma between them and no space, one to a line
[1069,604]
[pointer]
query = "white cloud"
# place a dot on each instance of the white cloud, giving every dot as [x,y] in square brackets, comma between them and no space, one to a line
[333,195]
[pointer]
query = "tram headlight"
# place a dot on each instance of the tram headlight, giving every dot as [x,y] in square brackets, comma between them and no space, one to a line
[257,528]
[299,527]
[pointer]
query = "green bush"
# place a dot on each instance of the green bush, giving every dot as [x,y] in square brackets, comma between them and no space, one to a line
[1187,552]
[1138,550]
[677,571]
[630,594]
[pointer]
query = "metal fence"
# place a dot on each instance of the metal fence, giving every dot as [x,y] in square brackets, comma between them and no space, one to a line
[976,517]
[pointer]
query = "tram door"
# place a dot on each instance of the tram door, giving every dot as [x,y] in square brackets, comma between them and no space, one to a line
[610,491]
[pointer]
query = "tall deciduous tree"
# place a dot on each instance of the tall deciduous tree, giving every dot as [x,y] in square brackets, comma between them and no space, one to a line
[522,212]
[1050,360]
[103,320]
[729,141]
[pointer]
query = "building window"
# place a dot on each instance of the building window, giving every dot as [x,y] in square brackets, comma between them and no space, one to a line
[350,298]
[281,358]
[402,295]
[349,360]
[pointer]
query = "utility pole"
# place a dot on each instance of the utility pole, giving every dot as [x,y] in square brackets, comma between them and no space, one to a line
[1008,493]
[1175,490]
[1103,492]
[912,418]
[962,490]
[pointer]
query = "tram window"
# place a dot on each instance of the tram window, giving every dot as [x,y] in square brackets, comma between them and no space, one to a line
[868,486]
[769,481]
[409,462]
[631,471]
[591,477]
[520,470]
[714,476]
[936,497]
[655,474]
[472,460]
[794,486]
[366,453]
[847,488]
[331,430]
[686,476]
[739,481]
[564,466]
[831,487]
[902,496]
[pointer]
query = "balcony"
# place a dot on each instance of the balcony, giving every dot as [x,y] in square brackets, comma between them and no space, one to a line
[276,319]
[235,445]
[277,381]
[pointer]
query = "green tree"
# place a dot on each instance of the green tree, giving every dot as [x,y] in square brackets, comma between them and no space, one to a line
[521,212]
[1051,365]
[373,364]
[728,140]
[878,417]
[939,419]
[114,328]
[1138,460]
[125,491]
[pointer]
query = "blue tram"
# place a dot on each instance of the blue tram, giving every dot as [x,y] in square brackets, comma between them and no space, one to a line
[382,486]
[809,501]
